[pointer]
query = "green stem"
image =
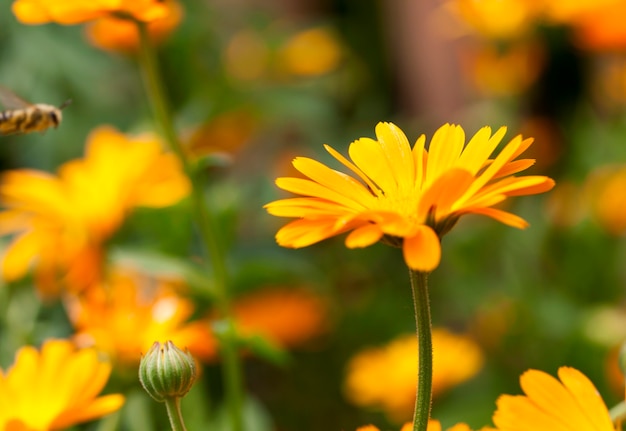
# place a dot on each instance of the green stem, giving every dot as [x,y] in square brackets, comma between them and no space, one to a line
[419,286]
[206,225]
[174,413]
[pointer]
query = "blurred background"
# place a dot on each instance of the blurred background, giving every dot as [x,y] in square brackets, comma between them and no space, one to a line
[253,84]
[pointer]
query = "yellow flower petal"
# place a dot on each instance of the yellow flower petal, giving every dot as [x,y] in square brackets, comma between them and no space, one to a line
[502,216]
[45,387]
[371,159]
[364,236]
[19,256]
[593,409]
[444,151]
[479,148]
[395,145]
[572,404]
[422,251]
[332,179]
[101,406]
[316,190]
[301,233]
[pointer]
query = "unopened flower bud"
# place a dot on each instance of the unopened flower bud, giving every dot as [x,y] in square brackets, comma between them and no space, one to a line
[167,372]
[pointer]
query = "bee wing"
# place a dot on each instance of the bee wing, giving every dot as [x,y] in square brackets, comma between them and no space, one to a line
[11,101]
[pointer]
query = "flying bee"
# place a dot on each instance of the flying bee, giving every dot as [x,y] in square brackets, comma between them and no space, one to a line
[21,116]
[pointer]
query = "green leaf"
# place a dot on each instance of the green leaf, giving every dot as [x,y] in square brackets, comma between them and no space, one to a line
[158,264]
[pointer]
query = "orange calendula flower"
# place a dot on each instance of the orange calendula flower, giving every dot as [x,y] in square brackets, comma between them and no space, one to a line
[409,196]
[70,12]
[285,317]
[606,199]
[54,388]
[62,221]
[384,377]
[118,34]
[433,425]
[125,316]
[571,404]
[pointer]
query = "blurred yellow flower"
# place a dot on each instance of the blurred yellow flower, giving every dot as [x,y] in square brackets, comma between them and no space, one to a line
[284,316]
[118,34]
[606,197]
[571,404]
[311,52]
[408,197]
[63,221]
[78,11]
[384,377]
[498,72]
[54,388]
[126,315]
[497,19]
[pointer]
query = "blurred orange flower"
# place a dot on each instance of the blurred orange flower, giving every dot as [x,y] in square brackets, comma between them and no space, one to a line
[311,52]
[572,404]
[494,71]
[602,27]
[384,377]
[497,19]
[284,316]
[408,197]
[79,11]
[606,197]
[63,221]
[54,388]
[225,134]
[433,425]
[113,33]
[127,314]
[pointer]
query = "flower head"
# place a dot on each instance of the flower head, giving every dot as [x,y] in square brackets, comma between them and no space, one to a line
[113,33]
[54,388]
[285,317]
[62,221]
[125,316]
[384,377]
[409,196]
[78,11]
[571,404]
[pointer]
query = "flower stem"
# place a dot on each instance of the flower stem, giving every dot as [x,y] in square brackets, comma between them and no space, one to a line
[419,286]
[175,414]
[206,225]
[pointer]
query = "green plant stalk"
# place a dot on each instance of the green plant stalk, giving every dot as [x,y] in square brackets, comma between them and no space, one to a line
[419,287]
[206,225]
[174,413]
